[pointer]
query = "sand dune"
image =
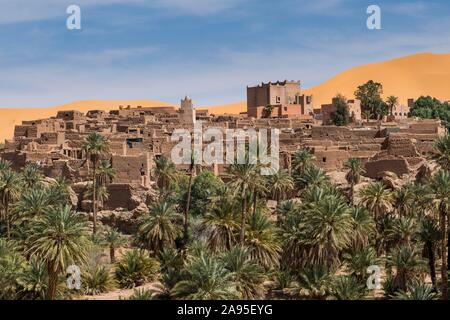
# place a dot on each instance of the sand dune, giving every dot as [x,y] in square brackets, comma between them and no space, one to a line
[407,77]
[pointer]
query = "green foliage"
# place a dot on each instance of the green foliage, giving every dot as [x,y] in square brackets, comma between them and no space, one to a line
[160,227]
[136,268]
[347,288]
[206,186]
[268,110]
[314,282]
[416,291]
[12,265]
[371,101]
[341,117]
[141,294]
[427,107]
[165,172]
[246,273]
[97,280]
[34,281]
[205,277]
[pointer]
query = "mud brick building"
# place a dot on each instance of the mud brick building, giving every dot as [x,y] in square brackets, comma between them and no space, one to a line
[285,98]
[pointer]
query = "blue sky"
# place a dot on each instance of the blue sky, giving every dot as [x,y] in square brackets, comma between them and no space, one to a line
[208,49]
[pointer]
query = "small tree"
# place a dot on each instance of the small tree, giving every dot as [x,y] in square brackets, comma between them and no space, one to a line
[392,102]
[370,96]
[268,111]
[341,117]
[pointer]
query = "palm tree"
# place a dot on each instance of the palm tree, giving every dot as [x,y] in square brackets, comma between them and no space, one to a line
[408,264]
[392,102]
[328,230]
[302,160]
[95,147]
[311,177]
[429,235]
[4,165]
[105,172]
[377,198]
[404,199]
[113,239]
[205,278]
[314,282]
[440,187]
[402,230]
[417,290]
[58,239]
[367,114]
[10,188]
[222,224]
[246,274]
[159,228]
[261,241]
[165,172]
[34,202]
[364,227]
[101,191]
[34,281]
[353,176]
[358,260]
[347,288]
[242,176]
[441,152]
[280,184]
[135,268]
[188,202]
[32,175]
[60,190]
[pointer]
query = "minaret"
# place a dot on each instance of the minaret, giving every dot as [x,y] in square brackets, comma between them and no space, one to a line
[187,111]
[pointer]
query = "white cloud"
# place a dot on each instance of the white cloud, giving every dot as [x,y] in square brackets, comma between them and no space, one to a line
[196,7]
[111,55]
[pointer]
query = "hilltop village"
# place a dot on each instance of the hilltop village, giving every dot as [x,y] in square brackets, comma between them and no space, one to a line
[362,185]
[394,145]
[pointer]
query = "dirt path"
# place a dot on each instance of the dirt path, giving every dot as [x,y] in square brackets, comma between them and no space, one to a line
[119,294]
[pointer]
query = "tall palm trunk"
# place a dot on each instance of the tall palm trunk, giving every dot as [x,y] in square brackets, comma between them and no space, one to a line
[112,254]
[8,222]
[352,193]
[444,274]
[243,216]
[431,262]
[94,196]
[52,282]
[188,204]
[255,201]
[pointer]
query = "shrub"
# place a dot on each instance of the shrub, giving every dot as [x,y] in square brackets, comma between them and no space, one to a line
[136,268]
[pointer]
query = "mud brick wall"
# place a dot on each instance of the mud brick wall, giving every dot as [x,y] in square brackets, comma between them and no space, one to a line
[397,146]
[17,159]
[398,166]
[128,168]
[20,131]
[119,197]
[331,159]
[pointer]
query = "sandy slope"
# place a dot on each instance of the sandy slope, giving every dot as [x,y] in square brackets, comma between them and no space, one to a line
[407,77]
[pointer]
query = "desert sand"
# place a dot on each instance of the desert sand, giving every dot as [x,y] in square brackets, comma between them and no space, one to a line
[406,77]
